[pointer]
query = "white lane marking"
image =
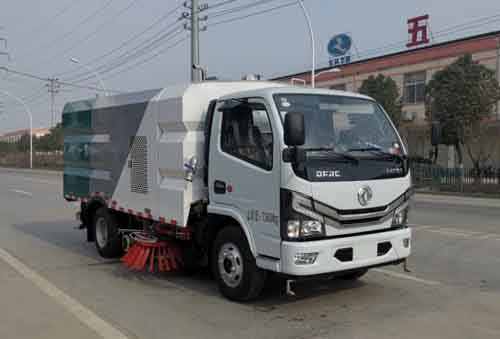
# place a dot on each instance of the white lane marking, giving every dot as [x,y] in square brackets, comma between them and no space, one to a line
[85,315]
[458,234]
[406,277]
[28,194]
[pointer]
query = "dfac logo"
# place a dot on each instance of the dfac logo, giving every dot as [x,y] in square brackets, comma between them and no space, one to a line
[365,194]
[328,174]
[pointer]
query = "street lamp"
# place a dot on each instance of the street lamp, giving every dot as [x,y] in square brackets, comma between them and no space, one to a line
[30,116]
[302,81]
[331,70]
[77,61]
[299,80]
[311,36]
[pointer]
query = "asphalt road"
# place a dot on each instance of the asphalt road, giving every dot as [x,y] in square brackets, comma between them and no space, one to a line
[54,285]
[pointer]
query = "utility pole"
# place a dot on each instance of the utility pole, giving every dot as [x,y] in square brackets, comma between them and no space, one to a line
[498,73]
[53,88]
[194,26]
[195,42]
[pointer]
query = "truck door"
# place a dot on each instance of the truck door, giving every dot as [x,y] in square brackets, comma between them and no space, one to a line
[244,169]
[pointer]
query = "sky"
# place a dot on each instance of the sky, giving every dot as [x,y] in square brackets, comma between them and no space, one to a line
[113,37]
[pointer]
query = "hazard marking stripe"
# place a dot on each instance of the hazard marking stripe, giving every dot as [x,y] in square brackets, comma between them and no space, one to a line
[113,204]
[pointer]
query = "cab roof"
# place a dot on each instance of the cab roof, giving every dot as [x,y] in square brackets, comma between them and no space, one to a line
[280,88]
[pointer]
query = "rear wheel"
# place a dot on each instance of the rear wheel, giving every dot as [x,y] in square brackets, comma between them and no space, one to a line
[353,275]
[107,239]
[234,267]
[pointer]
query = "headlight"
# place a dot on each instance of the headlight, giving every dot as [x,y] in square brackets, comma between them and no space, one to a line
[400,217]
[304,229]
[293,229]
[311,228]
[299,220]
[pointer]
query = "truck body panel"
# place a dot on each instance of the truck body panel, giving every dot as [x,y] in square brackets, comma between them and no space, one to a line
[131,149]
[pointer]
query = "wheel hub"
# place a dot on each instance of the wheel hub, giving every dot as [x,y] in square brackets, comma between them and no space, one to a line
[101,232]
[230,265]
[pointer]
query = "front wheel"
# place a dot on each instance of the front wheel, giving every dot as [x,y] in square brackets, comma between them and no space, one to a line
[234,266]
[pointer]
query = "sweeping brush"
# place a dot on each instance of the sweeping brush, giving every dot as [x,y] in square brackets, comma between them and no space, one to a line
[148,252]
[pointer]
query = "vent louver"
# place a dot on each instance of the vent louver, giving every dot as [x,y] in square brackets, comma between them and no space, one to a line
[139,165]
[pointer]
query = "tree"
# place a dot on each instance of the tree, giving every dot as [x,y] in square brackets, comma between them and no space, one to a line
[23,145]
[52,141]
[461,97]
[385,91]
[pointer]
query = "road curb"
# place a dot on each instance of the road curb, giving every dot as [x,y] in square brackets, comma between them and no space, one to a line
[457,200]
[457,194]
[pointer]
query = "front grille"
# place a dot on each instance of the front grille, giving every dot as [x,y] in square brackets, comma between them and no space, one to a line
[359,221]
[362,210]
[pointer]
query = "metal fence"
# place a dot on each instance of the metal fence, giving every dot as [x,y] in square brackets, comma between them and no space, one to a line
[44,160]
[468,180]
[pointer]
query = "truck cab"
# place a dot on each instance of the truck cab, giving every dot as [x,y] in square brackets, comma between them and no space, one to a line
[315,181]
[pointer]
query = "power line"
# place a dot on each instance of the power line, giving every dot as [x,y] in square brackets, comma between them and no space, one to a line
[39,28]
[242,17]
[87,37]
[161,52]
[72,84]
[239,8]
[128,41]
[444,32]
[28,75]
[170,35]
[221,3]
[69,33]
[67,83]
[133,53]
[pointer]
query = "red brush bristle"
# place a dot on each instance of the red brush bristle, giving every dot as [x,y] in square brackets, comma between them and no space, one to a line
[157,256]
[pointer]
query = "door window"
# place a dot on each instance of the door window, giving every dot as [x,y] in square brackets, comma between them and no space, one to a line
[246,134]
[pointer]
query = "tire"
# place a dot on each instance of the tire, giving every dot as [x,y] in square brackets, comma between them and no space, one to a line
[236,272]
[107,239]
[353,275]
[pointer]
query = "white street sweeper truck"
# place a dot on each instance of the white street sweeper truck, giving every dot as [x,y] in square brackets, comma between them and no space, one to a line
[245,178]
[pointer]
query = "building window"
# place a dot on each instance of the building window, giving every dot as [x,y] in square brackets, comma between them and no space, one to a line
[414,88]
[338,87]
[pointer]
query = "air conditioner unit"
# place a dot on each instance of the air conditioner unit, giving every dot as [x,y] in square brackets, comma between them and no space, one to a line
[408,116]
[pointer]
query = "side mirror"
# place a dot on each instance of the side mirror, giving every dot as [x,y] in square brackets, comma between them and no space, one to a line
[294,129]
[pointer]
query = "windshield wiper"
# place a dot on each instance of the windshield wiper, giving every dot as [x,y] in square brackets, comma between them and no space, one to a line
[329,151]
[377,151]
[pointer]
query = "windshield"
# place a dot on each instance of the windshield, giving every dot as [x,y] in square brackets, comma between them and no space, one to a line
[342,123]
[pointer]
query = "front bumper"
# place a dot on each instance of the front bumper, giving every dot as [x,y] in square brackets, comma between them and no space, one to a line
[365,252]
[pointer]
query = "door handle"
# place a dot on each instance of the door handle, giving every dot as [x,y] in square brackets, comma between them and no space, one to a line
[219,187]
